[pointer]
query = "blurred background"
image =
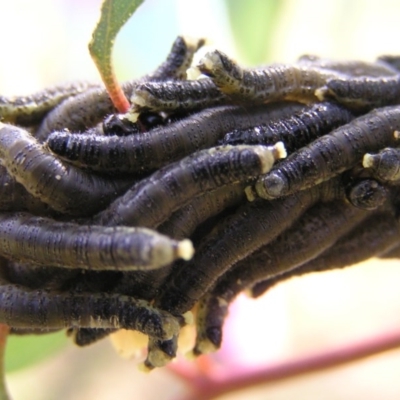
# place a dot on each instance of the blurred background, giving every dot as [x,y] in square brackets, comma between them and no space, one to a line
[45,42]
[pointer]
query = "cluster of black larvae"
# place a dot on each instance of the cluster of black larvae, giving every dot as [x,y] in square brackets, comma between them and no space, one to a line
[101,213]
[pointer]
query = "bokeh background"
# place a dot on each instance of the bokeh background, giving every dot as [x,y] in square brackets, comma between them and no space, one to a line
[44,42]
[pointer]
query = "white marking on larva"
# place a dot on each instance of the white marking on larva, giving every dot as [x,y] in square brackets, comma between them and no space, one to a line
[142,367]
[130,116]
[193,73]
[257,129]
[58,177]
[320,93]
[114,321]
[222,302]
[368,161]
[206,347]
[185,249]
[249,192]
[138,100]
[269,154]
[396,135]
[188,318]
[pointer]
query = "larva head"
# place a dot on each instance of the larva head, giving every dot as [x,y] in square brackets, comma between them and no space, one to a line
[367,194]
[219,67]
[271,186]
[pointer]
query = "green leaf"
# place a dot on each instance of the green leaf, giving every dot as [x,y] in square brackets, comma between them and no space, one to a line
[25,350]
[253,24]
[4,330]
[114,14]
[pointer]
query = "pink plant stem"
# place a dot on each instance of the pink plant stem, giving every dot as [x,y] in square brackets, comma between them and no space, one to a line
[4,330]
[203,387]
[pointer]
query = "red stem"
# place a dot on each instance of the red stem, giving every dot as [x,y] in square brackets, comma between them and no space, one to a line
[206,388]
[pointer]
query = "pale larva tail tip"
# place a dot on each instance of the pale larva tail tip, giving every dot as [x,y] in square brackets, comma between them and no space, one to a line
[191,355]
[368,160]
[139,99]
[185,249]
[193,73]
[320,93]
[280,150]
[131,116]
[268,155]
[396,134]
[204,346]
[249,192]
[188,318]
[194,42]
[143,367]
[209,61]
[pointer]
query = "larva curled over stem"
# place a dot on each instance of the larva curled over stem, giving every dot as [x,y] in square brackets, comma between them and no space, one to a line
[295,130]
[89,108]
[362,93]
[64,187]
[79,113]
[374,237]
[30,109]
[23,308]
[151,202]
[318,229]
[43,241]
[176,96]
[162,145]
[225,246]
[331,154]
[351,68]
[178,60]
[250,227]
[272,83]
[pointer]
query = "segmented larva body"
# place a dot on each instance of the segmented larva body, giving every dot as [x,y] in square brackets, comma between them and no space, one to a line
[182,224]
[362,93]
[184,221]
[331,154]
[44,242]
[352,68]
[296,130]
[317,230]
[178,60]
[89,108]
[79,113]
[274,83]
[176,96]
[391,61]
[162,145]
[384,165]
[381,233]
[154,199]
[30,109]
[227,244]
[33,276]
[14,197]
[63,187]
[39,309]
